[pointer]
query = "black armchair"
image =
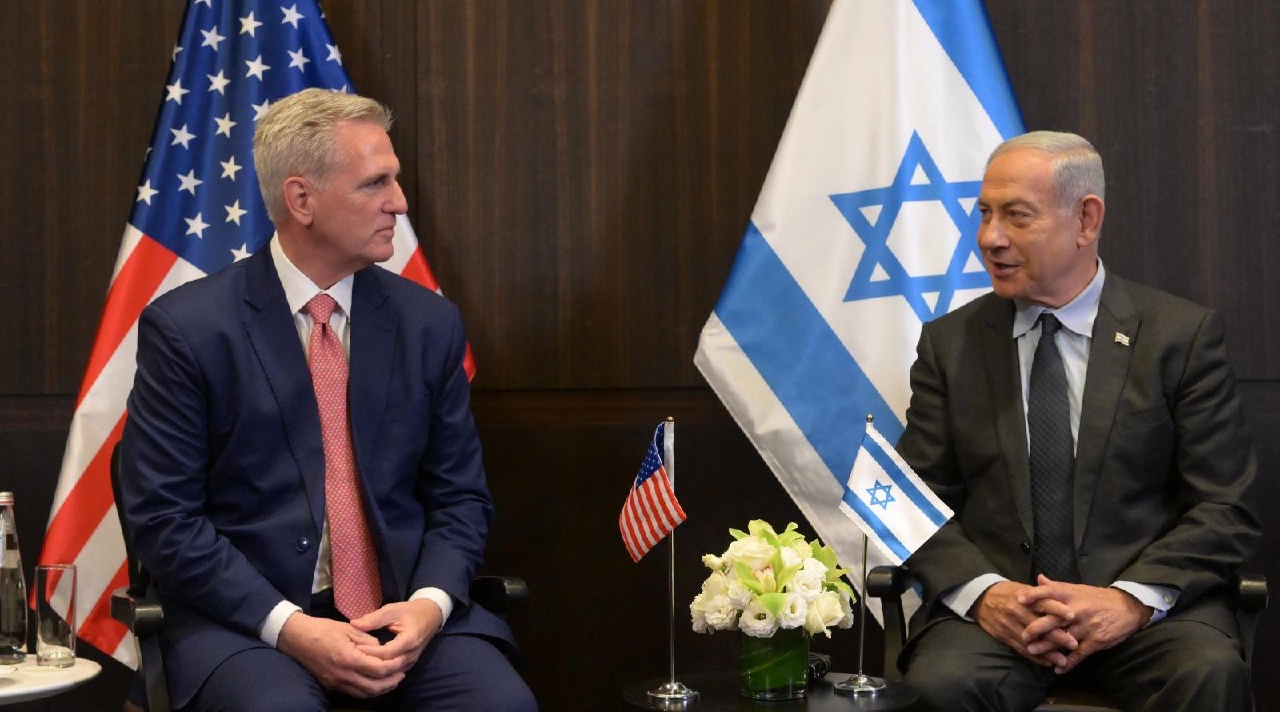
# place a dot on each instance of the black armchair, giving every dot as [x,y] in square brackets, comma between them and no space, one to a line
[144,615]
[888,583]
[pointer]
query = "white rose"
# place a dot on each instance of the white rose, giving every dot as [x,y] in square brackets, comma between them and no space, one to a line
[697,614]
[793,611]
[717,584]
[721,614]
[789,556]
[825,611]
[757,621]
[752,551]
[846,605]
[808,580]
[739,595]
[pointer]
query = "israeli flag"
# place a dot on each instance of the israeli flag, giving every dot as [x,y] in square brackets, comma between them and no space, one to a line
[865,229]
[888,501]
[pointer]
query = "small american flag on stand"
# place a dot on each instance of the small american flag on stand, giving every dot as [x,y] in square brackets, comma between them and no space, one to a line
[651,511]
[196,211]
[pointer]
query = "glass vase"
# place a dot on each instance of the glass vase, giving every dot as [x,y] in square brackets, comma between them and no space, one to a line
[774,668]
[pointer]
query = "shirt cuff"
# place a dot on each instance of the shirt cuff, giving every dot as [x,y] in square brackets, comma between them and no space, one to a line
[1161,598]
[274,623]
[440,598]
[961,598]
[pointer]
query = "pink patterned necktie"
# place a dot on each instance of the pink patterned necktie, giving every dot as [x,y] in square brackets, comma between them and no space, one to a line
[356,586]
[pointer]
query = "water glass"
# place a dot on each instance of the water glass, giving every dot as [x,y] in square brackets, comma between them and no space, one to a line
[55,597]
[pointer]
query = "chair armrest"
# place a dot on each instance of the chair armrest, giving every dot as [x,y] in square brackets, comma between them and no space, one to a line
[500,594]
[143,615]
[888,583]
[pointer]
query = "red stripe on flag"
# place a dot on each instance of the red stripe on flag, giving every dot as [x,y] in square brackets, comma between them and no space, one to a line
[650,513]
[139,278]
[98,628]
[85,506]
[417,270]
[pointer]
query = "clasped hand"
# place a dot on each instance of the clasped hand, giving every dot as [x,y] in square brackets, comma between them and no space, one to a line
[346,658]
[1057,624]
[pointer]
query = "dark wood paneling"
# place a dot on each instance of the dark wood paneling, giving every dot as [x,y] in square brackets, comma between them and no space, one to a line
[81,80]
[584,170]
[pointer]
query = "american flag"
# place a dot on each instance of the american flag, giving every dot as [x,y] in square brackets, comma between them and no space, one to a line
[197,210]
[651,511]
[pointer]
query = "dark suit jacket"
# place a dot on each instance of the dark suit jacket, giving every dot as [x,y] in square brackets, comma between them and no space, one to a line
[223,466]
[1164,465]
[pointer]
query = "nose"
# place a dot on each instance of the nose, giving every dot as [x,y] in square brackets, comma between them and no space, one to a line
[398,204]
[990,234]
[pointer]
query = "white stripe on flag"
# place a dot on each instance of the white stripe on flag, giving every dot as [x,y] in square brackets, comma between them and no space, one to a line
[888,501]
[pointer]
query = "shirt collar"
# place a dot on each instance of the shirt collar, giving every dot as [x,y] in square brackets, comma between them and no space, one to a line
[299,289]
[1076,315]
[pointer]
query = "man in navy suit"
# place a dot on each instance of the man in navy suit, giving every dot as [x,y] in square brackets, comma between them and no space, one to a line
[223,468]
[1157,501]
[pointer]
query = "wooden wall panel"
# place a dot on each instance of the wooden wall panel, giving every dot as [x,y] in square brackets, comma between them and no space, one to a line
[81,81]
[584,170]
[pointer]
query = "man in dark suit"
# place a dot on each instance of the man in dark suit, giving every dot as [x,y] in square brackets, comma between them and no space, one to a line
[304,554]
[1156,475]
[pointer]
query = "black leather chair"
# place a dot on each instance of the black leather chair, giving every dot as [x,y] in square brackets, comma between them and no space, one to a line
[136,608]
[888,583]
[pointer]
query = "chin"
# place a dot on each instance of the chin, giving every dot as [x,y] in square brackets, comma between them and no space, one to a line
[1008,291]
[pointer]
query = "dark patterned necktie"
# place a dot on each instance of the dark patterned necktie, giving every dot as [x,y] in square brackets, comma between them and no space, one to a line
[1052,459]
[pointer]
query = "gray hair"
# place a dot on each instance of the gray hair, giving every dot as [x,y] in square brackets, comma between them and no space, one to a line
[297,136]
[1077,167]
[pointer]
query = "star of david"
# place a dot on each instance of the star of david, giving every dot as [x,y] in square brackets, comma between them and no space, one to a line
[880,494]
[893,278]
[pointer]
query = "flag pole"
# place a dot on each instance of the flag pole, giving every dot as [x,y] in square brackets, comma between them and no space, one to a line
[859,683]
[671,694]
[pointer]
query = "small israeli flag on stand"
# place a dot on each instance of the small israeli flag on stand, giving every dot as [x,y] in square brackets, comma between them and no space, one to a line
[889,502]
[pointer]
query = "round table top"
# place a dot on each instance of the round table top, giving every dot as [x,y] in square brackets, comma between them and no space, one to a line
[28,681]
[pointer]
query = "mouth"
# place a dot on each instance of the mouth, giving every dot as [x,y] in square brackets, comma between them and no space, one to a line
[1001,269]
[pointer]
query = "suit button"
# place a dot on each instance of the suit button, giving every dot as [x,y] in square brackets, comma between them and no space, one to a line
[302,544]
[1026,547]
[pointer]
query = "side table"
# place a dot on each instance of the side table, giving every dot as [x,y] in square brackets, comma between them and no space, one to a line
[719,693]
[29,681]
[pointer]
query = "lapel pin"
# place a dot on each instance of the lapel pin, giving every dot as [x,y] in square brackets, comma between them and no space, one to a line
[1122,339]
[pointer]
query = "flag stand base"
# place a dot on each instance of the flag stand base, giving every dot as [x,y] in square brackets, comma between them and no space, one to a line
[860,685]
[673,695]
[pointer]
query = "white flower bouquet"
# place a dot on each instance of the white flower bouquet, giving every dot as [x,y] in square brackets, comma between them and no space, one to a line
[768,581]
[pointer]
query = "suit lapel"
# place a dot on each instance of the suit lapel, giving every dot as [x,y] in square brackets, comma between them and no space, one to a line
[373,339]
[273,335]
[1000,356]
[374,331]
[1109,358]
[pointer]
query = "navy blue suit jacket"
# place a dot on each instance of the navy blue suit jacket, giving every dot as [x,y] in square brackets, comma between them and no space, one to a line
[223,467]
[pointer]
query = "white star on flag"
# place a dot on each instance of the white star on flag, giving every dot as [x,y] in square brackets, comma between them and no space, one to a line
[196,226]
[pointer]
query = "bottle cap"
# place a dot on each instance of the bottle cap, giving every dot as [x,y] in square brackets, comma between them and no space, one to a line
[6,498]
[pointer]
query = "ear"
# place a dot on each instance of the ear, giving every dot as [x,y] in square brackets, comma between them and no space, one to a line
[299,199]
[1091,213]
